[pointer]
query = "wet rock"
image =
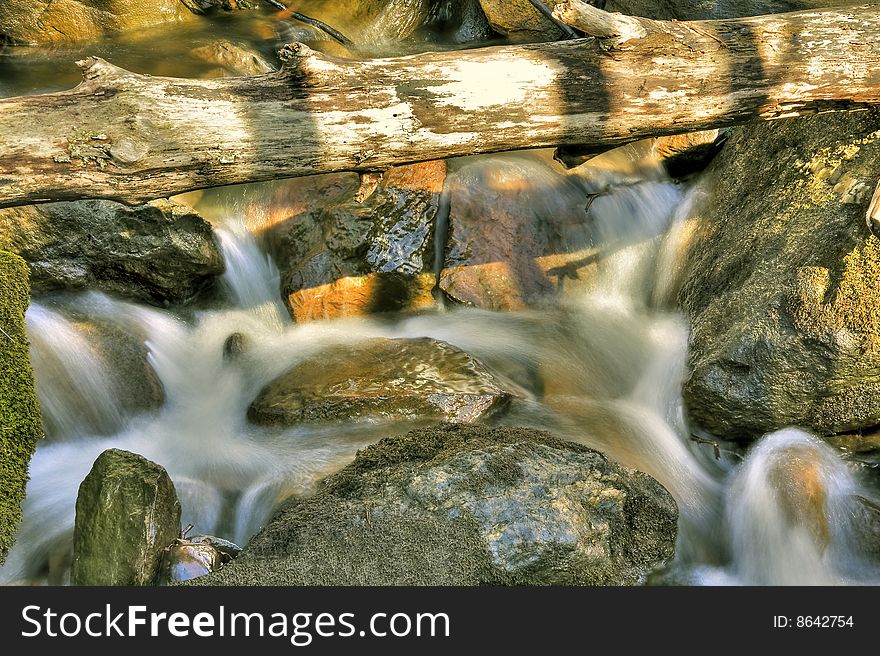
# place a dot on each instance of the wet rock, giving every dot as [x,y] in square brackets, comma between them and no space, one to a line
[354,296]
[233,59]
[467,505]
[514,227]
[404,206]
[188,558]
[19,408]
[160,252]
[520,21]
[382,379]
[342,257]
[48,21]
[234,346]
[783,284]
[209,6]
[127,512]
[459,21]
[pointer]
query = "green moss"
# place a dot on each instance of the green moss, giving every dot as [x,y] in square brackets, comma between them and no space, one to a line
[20,424]
[856,302]
[858,297]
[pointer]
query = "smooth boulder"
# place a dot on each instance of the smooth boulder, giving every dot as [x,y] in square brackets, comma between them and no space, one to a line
[127,513]
[520,21]
[467,505]
[385,379]
[782,285]
[58,21]
[160,252]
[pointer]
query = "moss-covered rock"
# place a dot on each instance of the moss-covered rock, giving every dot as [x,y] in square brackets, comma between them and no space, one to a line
[20,426]
[783,285]
[467,505]
[127,512]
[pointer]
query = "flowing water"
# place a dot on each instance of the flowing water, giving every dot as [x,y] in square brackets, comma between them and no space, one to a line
[606,364]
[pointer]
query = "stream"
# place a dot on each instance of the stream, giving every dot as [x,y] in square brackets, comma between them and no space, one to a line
[610,358]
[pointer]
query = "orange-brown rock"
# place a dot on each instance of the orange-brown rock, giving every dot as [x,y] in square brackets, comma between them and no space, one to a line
[800,485]
[362,295]
[350,249]
[515,224]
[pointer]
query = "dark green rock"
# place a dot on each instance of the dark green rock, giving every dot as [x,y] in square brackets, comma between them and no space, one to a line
[160,252]
[20,424]
[467,505]
[783,282]
[382,379]
[127,512]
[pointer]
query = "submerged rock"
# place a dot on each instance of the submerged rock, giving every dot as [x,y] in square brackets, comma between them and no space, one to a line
[127,512]
[232,59]
[93,373]
[467,505]
[48,21]
[160,252]
[382,379]
[235,346]
[19,409]
[783,283]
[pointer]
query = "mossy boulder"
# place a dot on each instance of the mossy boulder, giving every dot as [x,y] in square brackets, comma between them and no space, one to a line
[160,252]
[20,425]
[467,505]
[127,512]
[53,21]
[783,284]
[383,379]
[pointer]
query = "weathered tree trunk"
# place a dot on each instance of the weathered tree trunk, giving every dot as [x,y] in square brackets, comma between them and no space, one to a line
[134,137]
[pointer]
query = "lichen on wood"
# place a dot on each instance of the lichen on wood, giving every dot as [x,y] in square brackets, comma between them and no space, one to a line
[318,114]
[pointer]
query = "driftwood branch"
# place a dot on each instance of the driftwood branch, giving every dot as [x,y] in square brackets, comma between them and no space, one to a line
[135,137]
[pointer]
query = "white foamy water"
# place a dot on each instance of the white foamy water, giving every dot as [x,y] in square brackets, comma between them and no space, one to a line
[603,368]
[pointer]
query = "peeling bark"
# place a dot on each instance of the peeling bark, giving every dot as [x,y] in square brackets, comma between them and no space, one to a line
[133,137]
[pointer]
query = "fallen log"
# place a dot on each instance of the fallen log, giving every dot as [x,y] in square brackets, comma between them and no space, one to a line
[132,137]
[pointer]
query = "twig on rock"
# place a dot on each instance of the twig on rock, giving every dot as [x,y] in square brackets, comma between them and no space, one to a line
[314,22]
[546,11]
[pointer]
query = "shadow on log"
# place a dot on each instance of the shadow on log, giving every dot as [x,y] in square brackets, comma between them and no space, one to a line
[131,137]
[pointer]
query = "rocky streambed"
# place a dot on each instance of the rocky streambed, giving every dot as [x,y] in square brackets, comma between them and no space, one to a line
[531,368]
